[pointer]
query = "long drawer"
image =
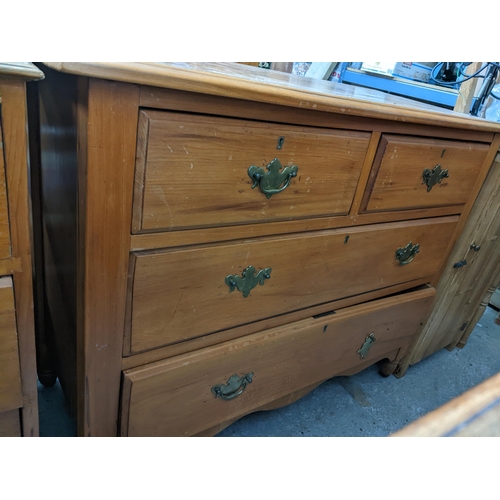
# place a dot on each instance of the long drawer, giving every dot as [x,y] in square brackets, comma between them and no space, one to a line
[188,394]
[193,171]
[10,375]
[180,294]
[412,172]
[4,213]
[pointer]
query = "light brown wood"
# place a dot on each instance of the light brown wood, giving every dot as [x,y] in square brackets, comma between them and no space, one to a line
[15,138]
[192,171]
[286,67]
[151,241]
[4,212]
[467,90]
[175,288]
[283,360]
[236,80]
[143,288]
[178,100]
[10,426]
[460,290]
[396,181]
[476,413]
[158,354]
[106,221]
[365,173]
[8,266]
[11,394]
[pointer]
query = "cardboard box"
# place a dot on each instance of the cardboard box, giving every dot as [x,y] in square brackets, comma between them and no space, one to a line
[412,71]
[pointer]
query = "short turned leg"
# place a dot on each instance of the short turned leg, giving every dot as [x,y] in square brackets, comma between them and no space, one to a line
[387,368]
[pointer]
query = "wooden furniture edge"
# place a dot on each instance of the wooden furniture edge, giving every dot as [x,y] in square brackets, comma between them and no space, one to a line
[14,116]
[24,70]
[268,87]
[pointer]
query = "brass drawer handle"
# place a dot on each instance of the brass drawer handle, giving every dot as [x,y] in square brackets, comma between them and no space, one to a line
[407,254]
[247,280]
[365,348]
[233,387]
[275,180]
[434,176]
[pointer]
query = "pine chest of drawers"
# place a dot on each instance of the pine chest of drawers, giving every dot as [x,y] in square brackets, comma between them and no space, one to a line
[18,385]
[220,239]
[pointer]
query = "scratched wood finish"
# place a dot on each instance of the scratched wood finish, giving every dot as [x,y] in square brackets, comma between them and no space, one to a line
[192,171]
[476,413]
[173,289]
[178,100]
[11,394]
[10,426]
[396,180]
[174,398]
[15,138]
[240,81]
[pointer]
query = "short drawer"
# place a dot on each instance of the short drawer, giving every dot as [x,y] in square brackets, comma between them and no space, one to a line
[193,171]
[4,213]
[10,376]
[178,294]
[411,172]
[188,394]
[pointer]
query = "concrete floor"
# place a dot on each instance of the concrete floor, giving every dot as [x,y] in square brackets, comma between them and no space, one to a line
[365,404]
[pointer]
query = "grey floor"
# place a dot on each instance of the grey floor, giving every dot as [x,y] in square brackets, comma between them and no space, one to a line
[365,404]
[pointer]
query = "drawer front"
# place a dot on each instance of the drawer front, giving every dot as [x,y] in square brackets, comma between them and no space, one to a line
[181,294]
[193,171]
[10,376]
[4,213]
[176,397]
[397,178]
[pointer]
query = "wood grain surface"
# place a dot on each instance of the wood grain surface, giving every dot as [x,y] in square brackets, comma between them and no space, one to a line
[241,81]
[174,398]
[175,289]
[11,394]
[15,135]
[192,171]
[4,212]
[396,181]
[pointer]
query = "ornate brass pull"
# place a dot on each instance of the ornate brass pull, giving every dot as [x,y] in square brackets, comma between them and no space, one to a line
[275,180]
[407,254]
[247,280]
[434,176]
[365,348]
[233,387]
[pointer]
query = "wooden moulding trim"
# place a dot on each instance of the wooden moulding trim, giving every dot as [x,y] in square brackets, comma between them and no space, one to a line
[178,100]
[172,239]
[233,80]
[23,70]
[219,337]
